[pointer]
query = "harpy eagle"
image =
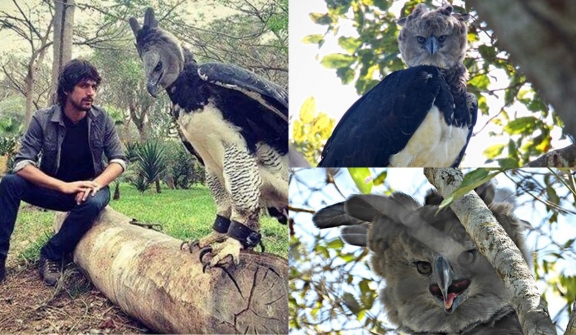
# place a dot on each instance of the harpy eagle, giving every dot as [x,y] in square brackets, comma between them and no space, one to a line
[421,116]
[236,123]
[436,280]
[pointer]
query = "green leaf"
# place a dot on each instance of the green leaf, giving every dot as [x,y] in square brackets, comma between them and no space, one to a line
[521,125]
[335,244]
[349,44]
[313,39]
[552,196]
[321,18]
[471,181]
[493,151]
[361,177]
[337,60]
[351,303]
[346,74]
[379,180]
[507,163]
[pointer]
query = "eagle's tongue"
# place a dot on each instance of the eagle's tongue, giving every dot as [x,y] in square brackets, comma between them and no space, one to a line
[449,300]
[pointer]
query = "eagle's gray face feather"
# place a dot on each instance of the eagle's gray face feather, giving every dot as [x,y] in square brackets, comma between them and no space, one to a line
[436,37]
[161,54]
[436,280]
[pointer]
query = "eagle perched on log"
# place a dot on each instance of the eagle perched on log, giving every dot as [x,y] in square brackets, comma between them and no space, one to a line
[236,123]
[418,117]
[437,282]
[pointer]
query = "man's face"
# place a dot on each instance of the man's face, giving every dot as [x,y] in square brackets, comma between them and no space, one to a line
[83,94]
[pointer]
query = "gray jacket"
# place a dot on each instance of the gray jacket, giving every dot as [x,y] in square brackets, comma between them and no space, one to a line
[46,133]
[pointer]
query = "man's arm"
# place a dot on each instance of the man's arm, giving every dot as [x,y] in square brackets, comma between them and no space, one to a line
[36,176]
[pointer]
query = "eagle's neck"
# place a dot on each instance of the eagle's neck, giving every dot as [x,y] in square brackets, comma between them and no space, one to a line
[456,77]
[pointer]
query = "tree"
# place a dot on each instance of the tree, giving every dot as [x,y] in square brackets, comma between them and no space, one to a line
[372,54]
[27,24]
[63,24]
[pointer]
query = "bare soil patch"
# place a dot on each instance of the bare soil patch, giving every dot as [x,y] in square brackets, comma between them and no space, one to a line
[74,306]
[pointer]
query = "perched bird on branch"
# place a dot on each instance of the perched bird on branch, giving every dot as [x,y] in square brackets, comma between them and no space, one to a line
[421,116]
[436,280]
[236,123]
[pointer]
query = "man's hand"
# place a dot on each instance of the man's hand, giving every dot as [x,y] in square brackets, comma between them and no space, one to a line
[85,186]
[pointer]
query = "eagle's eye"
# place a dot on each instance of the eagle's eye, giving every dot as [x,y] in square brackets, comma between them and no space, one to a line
[158,67]
[442,38]
[420,39]
[423,267]
[467,257]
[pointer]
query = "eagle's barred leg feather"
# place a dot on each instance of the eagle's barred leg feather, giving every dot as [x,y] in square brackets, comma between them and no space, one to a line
[242,181]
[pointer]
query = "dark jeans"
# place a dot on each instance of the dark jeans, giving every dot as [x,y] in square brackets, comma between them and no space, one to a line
[14,188]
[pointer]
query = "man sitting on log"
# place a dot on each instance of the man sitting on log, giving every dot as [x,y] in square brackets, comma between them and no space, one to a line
[72,138]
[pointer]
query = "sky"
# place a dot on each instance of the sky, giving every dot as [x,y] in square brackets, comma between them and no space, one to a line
[309,78]
[412,182]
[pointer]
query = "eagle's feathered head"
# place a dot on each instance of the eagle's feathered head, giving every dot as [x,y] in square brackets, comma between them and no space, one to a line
[160,51]
[433,37]
[436,279]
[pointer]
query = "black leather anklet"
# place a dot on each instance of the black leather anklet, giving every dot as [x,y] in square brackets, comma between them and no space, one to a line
[221,224]
[248,237]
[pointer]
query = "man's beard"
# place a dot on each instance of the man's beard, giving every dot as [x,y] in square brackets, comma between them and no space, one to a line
[80,107]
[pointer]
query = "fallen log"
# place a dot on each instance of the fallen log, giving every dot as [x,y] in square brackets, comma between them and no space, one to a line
[146,274]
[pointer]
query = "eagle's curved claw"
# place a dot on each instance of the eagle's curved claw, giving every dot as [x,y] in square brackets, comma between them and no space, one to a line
[203,252]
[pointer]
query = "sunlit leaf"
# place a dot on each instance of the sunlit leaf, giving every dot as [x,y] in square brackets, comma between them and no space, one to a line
[313,39]
[337,60]
[471,180]
[362,179]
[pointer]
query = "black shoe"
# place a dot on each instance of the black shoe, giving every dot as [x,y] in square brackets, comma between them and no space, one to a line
[50,271]
[2,269]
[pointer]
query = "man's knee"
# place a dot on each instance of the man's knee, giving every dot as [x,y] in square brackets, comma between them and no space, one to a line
[12,182]
[97,202]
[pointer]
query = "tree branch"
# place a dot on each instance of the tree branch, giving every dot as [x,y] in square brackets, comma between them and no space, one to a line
[501,252]
[565,157]
[540,37]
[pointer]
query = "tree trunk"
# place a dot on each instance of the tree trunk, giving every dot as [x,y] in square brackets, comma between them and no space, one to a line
[146,274]
[63,27]
[29,80]
[493,242]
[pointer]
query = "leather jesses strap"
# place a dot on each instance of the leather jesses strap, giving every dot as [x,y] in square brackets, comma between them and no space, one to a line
[221,224]
[248,237]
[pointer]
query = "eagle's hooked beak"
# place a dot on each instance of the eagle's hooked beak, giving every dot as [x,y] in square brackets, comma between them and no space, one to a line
[432,45]
[152,88]
[444,275]
[447,289]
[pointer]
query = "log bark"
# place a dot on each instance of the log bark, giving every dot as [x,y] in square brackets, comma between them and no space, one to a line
[146,274]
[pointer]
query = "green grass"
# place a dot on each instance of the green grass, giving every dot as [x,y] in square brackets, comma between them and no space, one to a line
[183,214]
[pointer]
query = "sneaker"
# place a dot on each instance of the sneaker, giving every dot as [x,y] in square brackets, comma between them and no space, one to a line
[2,269]
[49,271]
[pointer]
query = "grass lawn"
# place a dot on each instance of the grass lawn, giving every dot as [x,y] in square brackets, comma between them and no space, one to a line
[183,214]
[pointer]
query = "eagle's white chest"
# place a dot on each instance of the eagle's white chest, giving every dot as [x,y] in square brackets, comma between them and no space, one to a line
[434,144]
[210,134]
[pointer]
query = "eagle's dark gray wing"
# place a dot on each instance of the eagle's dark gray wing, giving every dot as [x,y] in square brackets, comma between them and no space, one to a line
[382,122]
[272,96]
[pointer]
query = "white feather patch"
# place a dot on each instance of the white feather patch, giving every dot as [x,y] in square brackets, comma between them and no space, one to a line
[209,133]
[434,144]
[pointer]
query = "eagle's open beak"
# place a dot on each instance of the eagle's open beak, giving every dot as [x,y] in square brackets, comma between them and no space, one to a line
[448,289]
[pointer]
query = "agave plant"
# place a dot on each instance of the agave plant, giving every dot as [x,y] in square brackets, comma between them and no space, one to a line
[152,162]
